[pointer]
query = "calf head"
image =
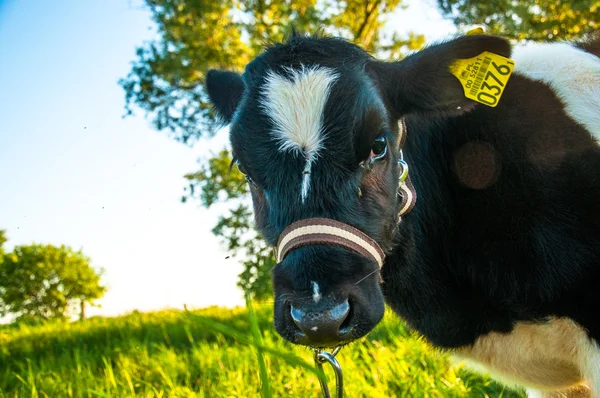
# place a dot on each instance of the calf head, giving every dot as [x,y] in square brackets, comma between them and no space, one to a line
[314,125]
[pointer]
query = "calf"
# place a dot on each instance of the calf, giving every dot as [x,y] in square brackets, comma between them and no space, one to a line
[499,259]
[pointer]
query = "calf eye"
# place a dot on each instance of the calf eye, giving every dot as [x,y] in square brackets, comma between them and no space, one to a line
[379,148]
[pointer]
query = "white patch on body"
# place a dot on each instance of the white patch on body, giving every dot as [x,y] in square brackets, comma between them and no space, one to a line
[314,328]
[316,292]
[554,356]
[296,105]
[534,393]
[589,356]
[573,74]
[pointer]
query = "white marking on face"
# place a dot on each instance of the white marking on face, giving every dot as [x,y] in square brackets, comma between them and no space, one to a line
[314,328]
[572,73]
[296,105]
[305,181]
[316,292]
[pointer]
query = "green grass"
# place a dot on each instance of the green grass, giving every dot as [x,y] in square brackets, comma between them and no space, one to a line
[218,353]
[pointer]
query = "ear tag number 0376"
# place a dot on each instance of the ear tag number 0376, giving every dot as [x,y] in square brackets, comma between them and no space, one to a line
[483,77]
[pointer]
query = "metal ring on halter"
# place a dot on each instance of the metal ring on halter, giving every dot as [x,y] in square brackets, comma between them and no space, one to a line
[320,358]
[404,171]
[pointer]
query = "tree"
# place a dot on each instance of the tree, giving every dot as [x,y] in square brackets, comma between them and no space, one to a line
[220,183]
[167,77]
[532,20]
[43,282]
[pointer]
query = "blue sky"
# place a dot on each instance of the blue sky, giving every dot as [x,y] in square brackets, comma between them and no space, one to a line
[73,171]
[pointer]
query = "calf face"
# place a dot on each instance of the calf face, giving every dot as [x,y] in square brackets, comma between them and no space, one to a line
[314,125]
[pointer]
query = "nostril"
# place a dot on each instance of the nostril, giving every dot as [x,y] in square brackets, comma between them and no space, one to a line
[297,315]
[345,326]
[339,313]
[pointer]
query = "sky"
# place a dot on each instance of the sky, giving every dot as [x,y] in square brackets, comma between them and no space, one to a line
[73,171]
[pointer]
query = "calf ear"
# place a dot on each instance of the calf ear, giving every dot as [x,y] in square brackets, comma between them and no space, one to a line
[225,90]
[422,82]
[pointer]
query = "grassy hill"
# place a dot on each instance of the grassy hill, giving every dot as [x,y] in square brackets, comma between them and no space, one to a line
[181,354]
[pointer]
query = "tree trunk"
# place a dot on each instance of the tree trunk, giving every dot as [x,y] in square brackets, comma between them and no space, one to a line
[82,313]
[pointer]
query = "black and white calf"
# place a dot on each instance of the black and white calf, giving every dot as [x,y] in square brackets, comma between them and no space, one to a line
[499,260]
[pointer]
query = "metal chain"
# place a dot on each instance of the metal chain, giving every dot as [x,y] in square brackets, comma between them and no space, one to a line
[320,358]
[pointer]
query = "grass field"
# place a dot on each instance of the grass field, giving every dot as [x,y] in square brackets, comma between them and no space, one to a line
[212,353]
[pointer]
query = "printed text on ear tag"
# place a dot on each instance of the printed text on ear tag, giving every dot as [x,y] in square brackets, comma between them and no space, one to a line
[483,77]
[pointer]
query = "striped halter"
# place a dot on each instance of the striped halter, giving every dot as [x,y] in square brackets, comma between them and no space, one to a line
[325,231]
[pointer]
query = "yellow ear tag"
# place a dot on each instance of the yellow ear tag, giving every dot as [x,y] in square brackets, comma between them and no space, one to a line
[475,31]
[483,77]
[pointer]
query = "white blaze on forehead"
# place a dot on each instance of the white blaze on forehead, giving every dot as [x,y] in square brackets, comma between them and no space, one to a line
[295,105]
[572,73]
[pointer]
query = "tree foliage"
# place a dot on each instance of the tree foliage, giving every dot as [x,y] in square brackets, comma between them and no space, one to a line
[42,282]
[195,35]
[215,182]
[3,240]
[532,20]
